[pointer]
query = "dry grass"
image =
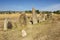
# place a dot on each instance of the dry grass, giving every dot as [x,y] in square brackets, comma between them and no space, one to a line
[48,30]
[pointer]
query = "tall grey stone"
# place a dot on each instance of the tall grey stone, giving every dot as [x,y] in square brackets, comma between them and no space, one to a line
[34,16]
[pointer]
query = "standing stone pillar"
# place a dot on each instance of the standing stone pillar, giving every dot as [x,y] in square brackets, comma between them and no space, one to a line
[23,19]
[42,17]
[5,24]
[34,16]
[49,16]
[45,16]
[52,14]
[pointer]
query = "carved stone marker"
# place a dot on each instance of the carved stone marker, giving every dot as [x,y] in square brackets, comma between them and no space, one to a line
[5,24]
[34,16]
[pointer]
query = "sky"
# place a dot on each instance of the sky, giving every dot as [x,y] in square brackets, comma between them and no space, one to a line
[22,5]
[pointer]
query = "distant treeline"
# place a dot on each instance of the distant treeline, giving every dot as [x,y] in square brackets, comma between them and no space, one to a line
[57,12]
[37,11]
[28,11]
[9,12]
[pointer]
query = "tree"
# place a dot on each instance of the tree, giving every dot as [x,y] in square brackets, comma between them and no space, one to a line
[29,11]
[57,12]
[37,11]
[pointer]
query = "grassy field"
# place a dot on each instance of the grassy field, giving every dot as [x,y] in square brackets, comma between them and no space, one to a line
[48,30]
